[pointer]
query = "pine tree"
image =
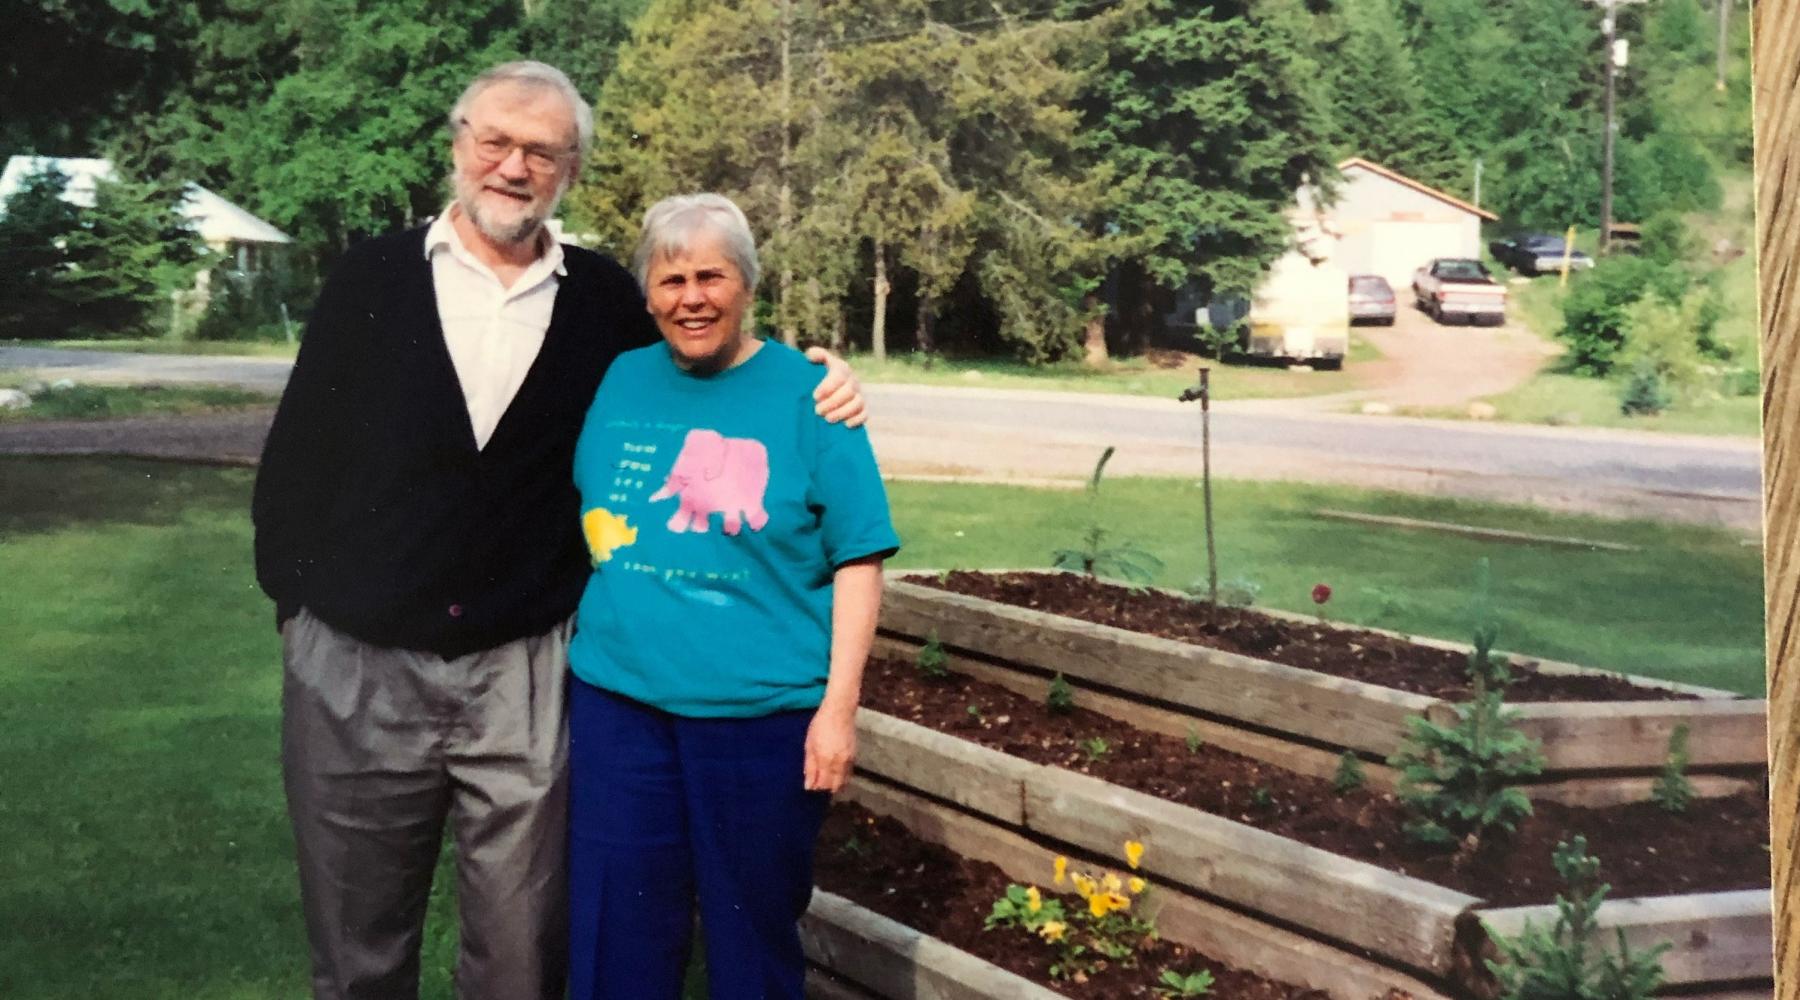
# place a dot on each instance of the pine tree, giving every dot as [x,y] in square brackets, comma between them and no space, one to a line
[1209,117]
[132,251]
[1381,112]
[35,225]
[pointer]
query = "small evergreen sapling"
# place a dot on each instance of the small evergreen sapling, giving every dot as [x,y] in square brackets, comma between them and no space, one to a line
[1565,961]
[1126,562]
[1061,699]
[1459,780]
[1350,775]
[1673,791]
[933,663]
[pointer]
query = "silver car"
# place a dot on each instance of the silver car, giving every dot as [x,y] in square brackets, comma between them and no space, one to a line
[1371,300]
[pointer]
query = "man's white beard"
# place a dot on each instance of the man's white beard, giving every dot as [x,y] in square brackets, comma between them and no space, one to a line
[524,228]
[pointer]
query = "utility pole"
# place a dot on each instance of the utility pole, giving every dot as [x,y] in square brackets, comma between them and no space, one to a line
[1615,57]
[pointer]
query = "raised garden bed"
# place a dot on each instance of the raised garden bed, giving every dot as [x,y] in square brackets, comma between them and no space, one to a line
[901,916]
[1298,692]
[1284,853]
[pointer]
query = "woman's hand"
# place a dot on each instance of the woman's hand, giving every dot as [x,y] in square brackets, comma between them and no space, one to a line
[830,748]
[838,397]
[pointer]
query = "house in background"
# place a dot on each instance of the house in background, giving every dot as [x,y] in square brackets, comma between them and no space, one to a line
[226,229]
[1391,225]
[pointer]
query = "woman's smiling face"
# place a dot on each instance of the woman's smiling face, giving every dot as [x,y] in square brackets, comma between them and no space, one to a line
[699,300]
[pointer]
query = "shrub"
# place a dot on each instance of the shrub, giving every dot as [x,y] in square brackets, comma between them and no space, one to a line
[1666,338]
[1644,394]
[1672,790]
[1061,699]
[1562,961]
[1458,780]
[932,662]
[1595,323]
[248,306]
[1350,775]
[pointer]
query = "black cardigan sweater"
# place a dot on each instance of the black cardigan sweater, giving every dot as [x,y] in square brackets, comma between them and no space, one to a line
[373,506]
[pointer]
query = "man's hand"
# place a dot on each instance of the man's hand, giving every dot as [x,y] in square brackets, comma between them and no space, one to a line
[830,749]
[839,396]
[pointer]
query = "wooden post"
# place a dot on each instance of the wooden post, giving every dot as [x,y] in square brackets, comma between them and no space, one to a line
[1775,35]
[1203,392]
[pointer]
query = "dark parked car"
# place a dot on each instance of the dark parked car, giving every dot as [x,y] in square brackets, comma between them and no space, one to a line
[1371,300]
[1537,253]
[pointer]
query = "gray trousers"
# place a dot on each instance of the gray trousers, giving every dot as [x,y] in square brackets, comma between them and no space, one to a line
[379,747]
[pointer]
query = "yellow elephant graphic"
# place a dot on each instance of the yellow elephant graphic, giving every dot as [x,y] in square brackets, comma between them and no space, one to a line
[605,532]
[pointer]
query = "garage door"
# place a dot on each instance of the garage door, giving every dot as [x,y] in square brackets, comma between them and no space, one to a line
[1394,249]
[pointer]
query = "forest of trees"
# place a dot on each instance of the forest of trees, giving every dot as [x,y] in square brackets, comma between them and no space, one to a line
[1038,178]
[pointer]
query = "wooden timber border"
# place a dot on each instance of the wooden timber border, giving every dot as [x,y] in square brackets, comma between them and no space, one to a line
[1256,899]
[889,959]
[1596,752]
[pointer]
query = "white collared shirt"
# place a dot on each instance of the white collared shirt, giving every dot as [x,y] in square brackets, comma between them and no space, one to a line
[493,332]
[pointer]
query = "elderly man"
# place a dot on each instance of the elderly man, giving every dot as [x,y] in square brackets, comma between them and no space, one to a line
[418,528]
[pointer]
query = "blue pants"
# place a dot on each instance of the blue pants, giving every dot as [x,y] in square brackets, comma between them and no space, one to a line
[665,810]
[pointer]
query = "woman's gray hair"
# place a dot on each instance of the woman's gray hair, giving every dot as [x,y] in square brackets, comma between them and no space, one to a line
[530,73]
[671,224]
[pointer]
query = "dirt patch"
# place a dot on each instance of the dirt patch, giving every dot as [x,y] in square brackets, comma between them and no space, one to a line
[879,864]
[1426,364]
[1330,649]
[1719,844]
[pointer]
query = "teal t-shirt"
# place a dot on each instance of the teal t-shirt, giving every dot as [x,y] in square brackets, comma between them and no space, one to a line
[716,509]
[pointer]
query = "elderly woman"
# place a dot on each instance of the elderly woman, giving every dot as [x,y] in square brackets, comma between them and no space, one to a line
[737,541]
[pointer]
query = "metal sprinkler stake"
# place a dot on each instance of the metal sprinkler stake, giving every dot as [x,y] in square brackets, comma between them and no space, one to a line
[1203,392]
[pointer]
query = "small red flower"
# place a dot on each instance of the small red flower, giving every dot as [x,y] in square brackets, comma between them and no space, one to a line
[1321,593]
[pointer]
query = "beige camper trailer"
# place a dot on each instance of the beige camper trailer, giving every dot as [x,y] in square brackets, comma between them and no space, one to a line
[1301,311]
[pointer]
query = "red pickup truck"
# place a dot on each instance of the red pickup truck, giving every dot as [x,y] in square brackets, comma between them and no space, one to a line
[1459,287]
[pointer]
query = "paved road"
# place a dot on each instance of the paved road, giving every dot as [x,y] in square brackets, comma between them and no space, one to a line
[987,434]
[990,433]
[108,367]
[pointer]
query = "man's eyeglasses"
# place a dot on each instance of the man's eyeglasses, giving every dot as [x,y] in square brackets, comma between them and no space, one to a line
[491,148]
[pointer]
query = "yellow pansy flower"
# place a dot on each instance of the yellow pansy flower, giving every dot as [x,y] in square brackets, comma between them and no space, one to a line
[1100,904]
[1053,930]
[1137,885]
[1084,884]
[1034,900]
[1118,902]
[1134,852]
[1061,864]
[1112,883]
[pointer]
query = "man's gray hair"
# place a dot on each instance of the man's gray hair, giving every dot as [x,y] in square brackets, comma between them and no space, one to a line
[671,224]
[530,73]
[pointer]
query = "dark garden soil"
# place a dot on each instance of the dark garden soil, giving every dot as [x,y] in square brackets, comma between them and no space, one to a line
[1340,650]
[1717,844]
[879,864]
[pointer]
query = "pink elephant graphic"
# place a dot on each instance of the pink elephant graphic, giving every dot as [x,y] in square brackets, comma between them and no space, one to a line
[715,473]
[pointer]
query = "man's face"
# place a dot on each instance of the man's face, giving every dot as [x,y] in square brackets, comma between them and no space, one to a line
[514,157]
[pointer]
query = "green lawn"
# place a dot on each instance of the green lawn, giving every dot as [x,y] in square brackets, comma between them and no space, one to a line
[146,851]
[1128,376]
[1561,399]
[100,402]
